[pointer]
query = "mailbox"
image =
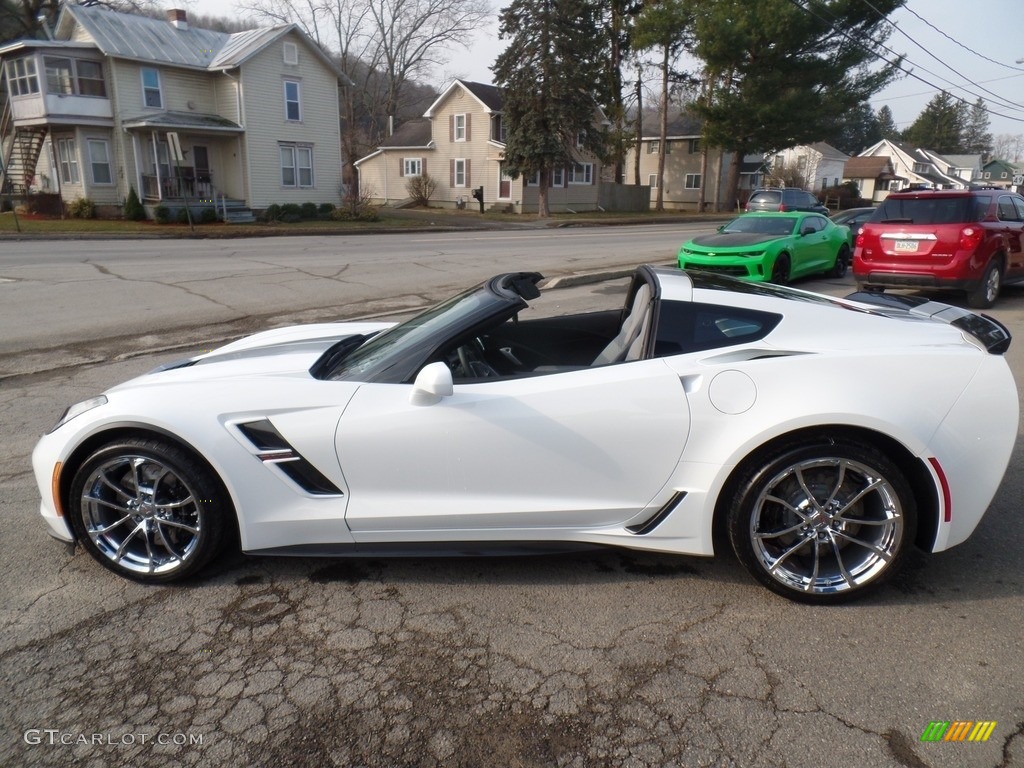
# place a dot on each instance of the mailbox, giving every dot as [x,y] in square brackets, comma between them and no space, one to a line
[478,195]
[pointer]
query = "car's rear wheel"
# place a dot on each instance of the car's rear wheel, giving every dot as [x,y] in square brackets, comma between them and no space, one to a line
[148,510]
[823,522]
[780,270]
[984,295]
[842,262]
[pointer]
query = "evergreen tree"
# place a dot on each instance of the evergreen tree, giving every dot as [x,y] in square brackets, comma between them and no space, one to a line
[552,83]
[789,70]
[977,139]
[887,125]
[855,131]
[940,126]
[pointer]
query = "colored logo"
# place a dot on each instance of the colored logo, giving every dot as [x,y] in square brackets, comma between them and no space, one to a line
[958,730]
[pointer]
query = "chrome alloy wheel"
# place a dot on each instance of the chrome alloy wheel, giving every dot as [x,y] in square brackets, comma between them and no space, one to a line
[141,515]
[826,525]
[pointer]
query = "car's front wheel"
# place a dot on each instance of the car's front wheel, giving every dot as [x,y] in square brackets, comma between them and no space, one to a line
[985,293]
[780,270]
[823,522]
[148,510]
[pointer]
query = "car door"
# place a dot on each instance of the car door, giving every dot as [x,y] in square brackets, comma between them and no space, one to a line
[1014,234]
[813,250]
[580,448]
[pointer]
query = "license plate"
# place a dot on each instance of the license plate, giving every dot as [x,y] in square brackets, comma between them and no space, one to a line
[906,246]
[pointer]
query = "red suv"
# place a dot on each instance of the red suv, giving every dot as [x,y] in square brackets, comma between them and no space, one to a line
[968,240]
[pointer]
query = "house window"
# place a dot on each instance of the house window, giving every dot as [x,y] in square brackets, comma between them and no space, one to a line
[581,173]
[67,156]
[460,128]
[920,168]
[151,95]
[692,181]
[99,160]
[558,177]
[291,54]
[292,110]
[58,75]
[1002,175]
[21,77]
[459,172]
[693,146]
[824,184]
[581,138]
[653,147]
[652,181]
[668,147]
[90,78]
[412,166]
[499,129]
[296,166]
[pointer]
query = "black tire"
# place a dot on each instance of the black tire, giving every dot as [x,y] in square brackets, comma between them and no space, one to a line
[780,270]
[843,541]
[842,262]
[985,293]
[148,510]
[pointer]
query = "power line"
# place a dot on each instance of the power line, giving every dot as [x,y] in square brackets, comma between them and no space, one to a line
[1005,102]
[897,65]
[957,42]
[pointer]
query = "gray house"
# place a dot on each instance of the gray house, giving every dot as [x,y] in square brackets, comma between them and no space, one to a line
[116,101]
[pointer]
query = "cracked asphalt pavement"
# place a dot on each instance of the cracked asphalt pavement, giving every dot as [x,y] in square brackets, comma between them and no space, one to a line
[603,658]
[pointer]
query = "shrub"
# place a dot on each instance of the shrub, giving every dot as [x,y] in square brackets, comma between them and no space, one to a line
[162,214]
[273,212]
[421,189]
[291,218]
[207,216]
[82,208]
[308,210]
[326,209]
[133,210]
[291,210]
[182,217]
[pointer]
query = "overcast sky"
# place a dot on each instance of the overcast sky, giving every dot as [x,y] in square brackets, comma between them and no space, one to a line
[984,28]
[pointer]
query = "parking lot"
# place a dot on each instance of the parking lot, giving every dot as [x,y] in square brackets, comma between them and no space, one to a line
[606,658]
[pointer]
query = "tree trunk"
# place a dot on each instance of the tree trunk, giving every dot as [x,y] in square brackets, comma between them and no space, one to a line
[659,200]
[732,185]
[542,194]
[639,127]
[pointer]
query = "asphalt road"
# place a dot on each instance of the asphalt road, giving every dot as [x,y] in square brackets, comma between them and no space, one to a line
[599,659]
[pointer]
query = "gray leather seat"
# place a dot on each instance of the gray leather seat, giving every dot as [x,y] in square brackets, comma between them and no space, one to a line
[629,342]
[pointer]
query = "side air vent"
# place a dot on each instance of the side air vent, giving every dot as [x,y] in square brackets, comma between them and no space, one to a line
[275,451]
[648,525]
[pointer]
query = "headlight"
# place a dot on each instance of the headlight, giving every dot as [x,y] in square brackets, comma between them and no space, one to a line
[78,409]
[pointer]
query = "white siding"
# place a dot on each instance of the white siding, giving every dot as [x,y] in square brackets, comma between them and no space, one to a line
[263,107]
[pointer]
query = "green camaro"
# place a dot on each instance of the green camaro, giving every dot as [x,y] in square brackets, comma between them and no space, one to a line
[771,247]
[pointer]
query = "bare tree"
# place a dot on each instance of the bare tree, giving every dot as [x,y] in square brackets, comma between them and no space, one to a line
[1007,146]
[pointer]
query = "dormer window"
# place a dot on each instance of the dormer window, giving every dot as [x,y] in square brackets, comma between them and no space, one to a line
[291,54]
[151,95]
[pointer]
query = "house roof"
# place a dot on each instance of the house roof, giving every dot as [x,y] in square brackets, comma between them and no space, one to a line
[682,127]
[415,132]
[141,38]
[190,121]
[867,167]
[828,151]
[964,161]
[489,96]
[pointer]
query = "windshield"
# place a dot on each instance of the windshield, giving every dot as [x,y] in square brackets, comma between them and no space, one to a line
[930,210]
[762,225]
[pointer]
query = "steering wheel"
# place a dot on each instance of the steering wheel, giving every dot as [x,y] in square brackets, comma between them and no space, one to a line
[472,361]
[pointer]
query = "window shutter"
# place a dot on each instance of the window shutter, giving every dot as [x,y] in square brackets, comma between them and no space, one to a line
[451,172]
[423,166]
[468,182]
[401,166]
[593,174]
[565,178]
[451,128]
[468,136]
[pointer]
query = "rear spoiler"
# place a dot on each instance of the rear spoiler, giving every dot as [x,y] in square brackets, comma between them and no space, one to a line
[988,331]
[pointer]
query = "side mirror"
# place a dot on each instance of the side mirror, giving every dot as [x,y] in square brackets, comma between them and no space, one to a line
[807,231]
[432,383]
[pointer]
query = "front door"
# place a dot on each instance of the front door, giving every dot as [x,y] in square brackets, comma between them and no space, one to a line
[504,184]
[584,448]
[201,164]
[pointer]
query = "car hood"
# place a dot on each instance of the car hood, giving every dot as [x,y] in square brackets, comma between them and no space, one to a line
[287,351]
[733,239]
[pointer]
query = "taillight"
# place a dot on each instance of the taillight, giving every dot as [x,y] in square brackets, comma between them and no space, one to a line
[970,238]
[859,242]
[782,207]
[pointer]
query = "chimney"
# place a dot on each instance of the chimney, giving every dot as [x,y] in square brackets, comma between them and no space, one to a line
[178,18]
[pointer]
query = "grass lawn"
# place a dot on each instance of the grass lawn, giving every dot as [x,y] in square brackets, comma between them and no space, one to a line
[31,225]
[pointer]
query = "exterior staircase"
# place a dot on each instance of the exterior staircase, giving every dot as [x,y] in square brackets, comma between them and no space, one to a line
[21,148]
[235,211]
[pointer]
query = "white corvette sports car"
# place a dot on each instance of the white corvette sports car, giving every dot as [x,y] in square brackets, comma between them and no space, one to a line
[822,437]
